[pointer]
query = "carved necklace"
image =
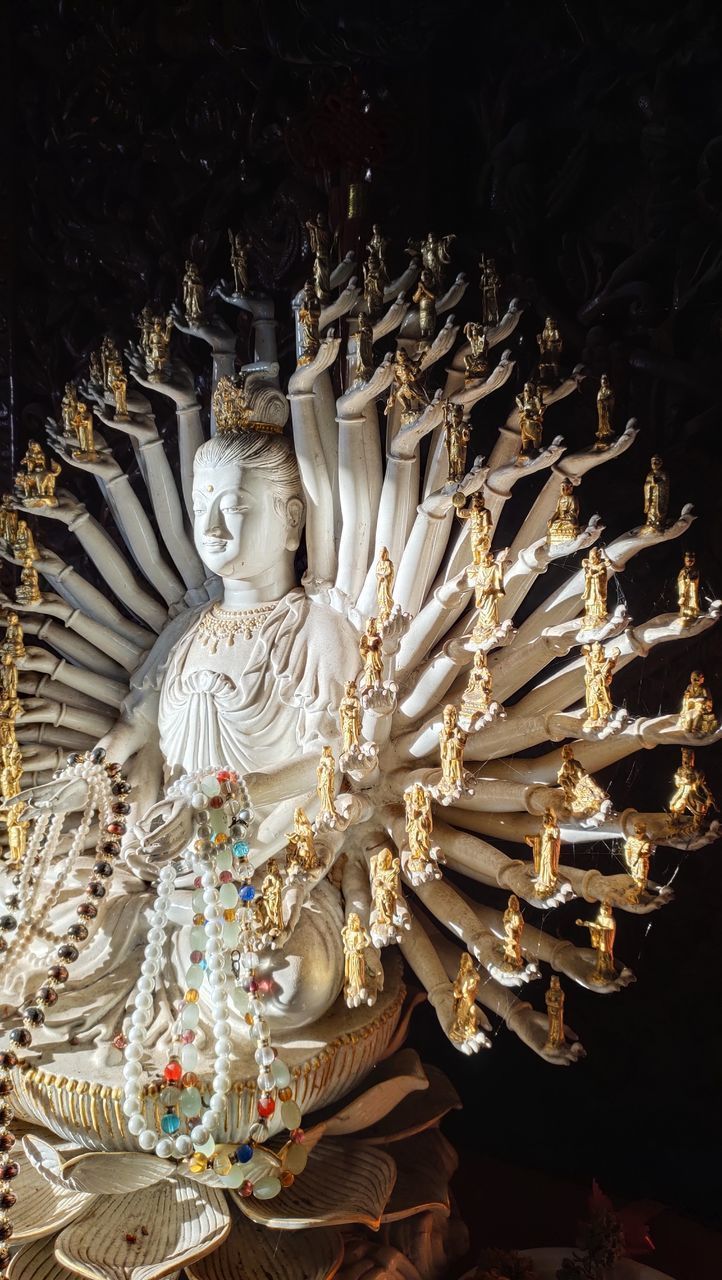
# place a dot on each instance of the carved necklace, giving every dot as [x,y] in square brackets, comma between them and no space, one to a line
[221,626]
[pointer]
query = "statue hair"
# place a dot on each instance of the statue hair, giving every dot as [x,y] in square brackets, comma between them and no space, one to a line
[257,451]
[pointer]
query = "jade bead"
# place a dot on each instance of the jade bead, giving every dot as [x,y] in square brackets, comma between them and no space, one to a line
[191,1103]
[239,999]
[207,1148]
[195,976]
[190,1016]
[267,1188]
[198,937]
[199,905]
[291,1114]
[224,859]
[281,1073]
[189,1057]
[228,895]
[230,933]
[235,1177]
[296,1158]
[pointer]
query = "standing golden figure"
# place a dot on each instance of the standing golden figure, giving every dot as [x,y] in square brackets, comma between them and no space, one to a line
[458,434]
[24,545]
[435,256]
[692,795]
[9,704]
[476,361]
[14,639]
[466,1015]
[487,580]
[582,795]
[554,1001]
[513,921]
[598,671]
[371,650]
[194,294]
[688,590]
[325,782]
[110,358]
[602,933]
[697,712]
[476,698]
[364,348]
[385,574]
[479,517]
[28,590]
[490,283]
[389,912]
[531,418]
[239,260]
[119,388]
[408,390]
[9,520]
[374,286]
[546,850]
[301,855]
[638,849]
[419,826]
[309,314]
[321,240]
[379,244]
[564,524]
[355,942]
[605,413]
[595,588]
[350,716]
[550,350]
[425,299]
[272,900]
[157,348]
[656,497]
[452,740]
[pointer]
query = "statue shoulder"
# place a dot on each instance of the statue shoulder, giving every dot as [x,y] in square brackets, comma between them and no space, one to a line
[151,671]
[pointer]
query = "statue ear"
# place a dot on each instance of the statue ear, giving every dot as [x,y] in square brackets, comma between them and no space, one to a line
[295,512]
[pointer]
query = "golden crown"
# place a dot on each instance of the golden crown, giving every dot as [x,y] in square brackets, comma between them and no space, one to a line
[249,402]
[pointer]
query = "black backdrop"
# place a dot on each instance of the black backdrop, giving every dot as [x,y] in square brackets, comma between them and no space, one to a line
[582,145]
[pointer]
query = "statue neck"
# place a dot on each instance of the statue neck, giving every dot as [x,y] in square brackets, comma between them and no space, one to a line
[241,593]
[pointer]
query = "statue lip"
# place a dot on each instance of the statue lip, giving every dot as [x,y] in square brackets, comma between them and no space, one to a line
[215,544]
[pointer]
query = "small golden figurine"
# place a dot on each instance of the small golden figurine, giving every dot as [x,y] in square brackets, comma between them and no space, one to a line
[109,359]
[194,294]
[24,546]
[476,362]
[407,390]
[28,591]
[9,520]
[325,780]
[488,583]
[364,348]
[385,574]
[425,299]
[309,314]
[598,671]
[374,286]
[11,770]
[513,920]
[582,795]
[452,740]
[239,261]
[69,408]
[435,256]
[531,418]
[550,350]
[83,436]
[458,434]
[656,497]
[8,687]
[301,855]
[157,351]
[693,796]
[13,640]
[554,1001]
[479,517]
[371,650]
[350,716]
[272,900]
[546,851]
[638,849]
[688,590]
[490,284]
[564,524]
[389,912]
[595,589]
[602,933]
[379,244]
[35,486]
[119,388]
[466,1015]
[477,696]
[419,827]
[355,942]
[17,833]
[697,713]
[95,371]
[321,239]
[605,413]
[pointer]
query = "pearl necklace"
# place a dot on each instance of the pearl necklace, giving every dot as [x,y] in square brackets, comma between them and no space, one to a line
[221,626]
[223,942]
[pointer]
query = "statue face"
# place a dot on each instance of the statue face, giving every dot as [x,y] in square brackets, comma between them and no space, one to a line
[242,527]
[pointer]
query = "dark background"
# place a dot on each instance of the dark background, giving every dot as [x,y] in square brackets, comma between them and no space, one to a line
[582,146]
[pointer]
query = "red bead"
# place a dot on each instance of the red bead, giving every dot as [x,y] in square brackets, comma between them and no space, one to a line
[223,775]
[216,802]
[246,1189]
[115,828]
[297,1135]
[173,1071]
[196,957]
[120,1041]
[225,876]
[266,1106]
[251,985]
[197,883]
[188,1037]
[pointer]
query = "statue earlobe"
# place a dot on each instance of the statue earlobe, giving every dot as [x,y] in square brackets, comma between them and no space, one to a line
[295,512]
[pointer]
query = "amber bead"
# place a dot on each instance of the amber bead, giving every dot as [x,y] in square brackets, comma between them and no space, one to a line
[115,828]
[78,932]
[69,953]
[21,1036]
[103,869]
[9,1171]
[285,1095]
[33,1016]
[97,755]
[229,914]
[120,788]
[120,808]
[48,995]
[4,1257]
[6,1114]
[190,1080]
[286,1178]
[7,1199]
[6,1086]
[58,973]
[8,1060]
[6,1230]
[110,848]
[86,910]
[95,889]
[7,1142]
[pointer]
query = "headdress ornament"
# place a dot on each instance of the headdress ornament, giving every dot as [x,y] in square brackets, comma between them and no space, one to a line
[250,402]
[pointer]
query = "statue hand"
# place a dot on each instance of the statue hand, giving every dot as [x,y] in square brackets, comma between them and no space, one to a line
[220,338]
[442,344]
[164,830]
[179,386]
[67,509]
[354,401]
[48,562]
[519,879]
[61,795]
[580,964]
[104,466]
[143,428]
[532,1028]
[306,374]
[443,1002]
[392,318]
[455,592]
[616,890]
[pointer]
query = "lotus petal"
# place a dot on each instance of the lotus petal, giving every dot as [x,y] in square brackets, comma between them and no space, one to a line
[114,1173]
[36,1261]
[42,1206]
[258,1254]
[416,1112]
[343,1182]
[382,1090]
[150,1233]
[425,1164]
[45,1158]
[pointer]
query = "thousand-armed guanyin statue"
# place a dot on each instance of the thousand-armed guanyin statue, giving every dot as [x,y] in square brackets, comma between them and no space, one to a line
[231,796]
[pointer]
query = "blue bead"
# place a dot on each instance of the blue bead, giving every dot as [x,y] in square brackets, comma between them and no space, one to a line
[244,1153]
[247,893]
[203,964]
[170,1123]
[240,848]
